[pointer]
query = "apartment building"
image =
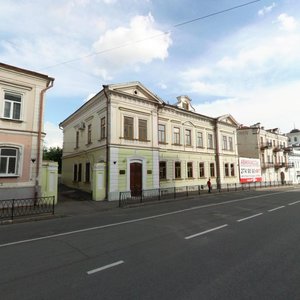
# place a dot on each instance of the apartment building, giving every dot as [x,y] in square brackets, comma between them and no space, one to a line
[127,139]
[22,94]
[268,145]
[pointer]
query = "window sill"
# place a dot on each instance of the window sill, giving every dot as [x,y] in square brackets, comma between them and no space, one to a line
[163,143]
[12,120]
[9,176]
[176,144]
[88,144]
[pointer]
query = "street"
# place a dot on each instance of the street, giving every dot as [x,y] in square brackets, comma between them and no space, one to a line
[242,245]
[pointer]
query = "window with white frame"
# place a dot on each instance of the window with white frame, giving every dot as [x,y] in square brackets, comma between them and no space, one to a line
[102,128]
[128,128]
[188,137]
[161,133]
[212,169]
[225,144]
[177,170]
[142,130]
[226,169]
[12,106]
[210,142]
[201,169]
[9,161]
[200,139]
[230,142]
[190,170]
[232,172]
[176,135]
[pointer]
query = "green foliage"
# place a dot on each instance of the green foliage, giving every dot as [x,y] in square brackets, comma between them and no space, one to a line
[54,154]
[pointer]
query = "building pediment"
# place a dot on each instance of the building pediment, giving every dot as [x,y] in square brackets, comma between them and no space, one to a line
[135,89]
[228,119]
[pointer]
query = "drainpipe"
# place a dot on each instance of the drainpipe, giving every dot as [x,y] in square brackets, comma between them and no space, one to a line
[105,87]
[217,155]
[40,124]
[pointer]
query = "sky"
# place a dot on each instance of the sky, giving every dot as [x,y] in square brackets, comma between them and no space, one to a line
[244,61]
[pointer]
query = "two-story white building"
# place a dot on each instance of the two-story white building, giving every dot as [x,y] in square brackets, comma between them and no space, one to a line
[128,139]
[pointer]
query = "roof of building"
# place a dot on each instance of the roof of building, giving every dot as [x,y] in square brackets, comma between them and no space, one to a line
[20,70]
[295,131]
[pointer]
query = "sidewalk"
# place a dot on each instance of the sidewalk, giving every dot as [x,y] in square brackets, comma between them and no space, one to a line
[73,202]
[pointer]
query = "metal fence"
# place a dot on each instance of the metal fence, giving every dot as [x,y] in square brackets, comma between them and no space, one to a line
[14,208]
[128,197]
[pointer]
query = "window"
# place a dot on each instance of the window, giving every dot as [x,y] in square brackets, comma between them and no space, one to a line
[128,128]
[162,170]
[190,170]
[185,105]
[87,172]
[295,139]
[200,139]
[77,139]
[210,143]
[75,173]
[161,133]
[12,106]
[201,169]
[8,161]
[79,172]
[177,169]
[212,169]
[226,170]
[176,136]
[143,130]
[225,145]
[188,137]
[230,141]
[103,129]
[232,170]
[89,134]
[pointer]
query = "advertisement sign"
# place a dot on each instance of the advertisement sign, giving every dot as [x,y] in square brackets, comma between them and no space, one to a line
[250,170]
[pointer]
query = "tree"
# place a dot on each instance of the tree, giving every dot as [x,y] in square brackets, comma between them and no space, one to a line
[54,154]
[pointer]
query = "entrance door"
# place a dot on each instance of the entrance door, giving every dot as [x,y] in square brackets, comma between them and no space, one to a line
[136,179]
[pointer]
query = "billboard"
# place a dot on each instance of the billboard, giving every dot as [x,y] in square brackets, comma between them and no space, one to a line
[250,170]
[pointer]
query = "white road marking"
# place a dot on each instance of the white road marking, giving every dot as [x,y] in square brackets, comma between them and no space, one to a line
[204,232]
[250,217]
[134,220]
[279,207]
[294,203]
[105,267]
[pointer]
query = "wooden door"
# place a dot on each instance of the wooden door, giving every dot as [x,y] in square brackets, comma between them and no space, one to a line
[136,179]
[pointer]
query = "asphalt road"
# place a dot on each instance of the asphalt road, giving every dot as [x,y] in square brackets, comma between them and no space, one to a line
[222,246]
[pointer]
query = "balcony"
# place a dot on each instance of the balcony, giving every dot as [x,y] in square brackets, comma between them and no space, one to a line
[267,165]
[288,165]
[279,165]
[277,149]
[287,149]
[264,146]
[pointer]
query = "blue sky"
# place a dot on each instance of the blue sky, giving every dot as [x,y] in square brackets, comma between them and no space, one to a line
[245,62]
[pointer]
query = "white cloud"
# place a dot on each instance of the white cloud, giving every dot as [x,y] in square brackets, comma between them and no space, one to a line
[275,107]
[287,22]
[250,75]
[54,135]
[140,42]
[266,9]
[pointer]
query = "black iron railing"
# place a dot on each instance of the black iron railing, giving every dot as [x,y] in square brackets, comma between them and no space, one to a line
[127,198]
[14,208]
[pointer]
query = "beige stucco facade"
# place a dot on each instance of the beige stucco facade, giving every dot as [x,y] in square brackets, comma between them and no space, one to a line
[127,138]
[270,146]
[22,95]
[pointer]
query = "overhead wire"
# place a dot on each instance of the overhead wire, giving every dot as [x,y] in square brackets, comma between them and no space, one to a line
[153,36]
